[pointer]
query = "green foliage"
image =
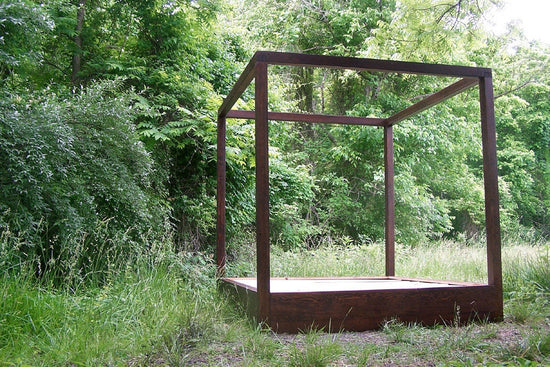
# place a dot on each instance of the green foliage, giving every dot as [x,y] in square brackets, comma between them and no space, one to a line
[24,26]
[171,55]
[76,182]
[291,192]
[181,57]
[89,179]
[431,31]
[439,183]
[530,278]
[316,27]
[142,308]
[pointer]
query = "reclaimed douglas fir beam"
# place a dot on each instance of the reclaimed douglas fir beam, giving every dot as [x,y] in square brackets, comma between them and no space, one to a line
[340,62]
[221,190]
[366,309]
[308,117]
[430,101]
[238,89]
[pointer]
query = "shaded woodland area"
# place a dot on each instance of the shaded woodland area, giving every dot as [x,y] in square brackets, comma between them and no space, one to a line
[116,102]
[108,134]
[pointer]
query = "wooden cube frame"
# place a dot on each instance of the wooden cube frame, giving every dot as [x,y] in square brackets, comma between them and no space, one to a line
[291,305]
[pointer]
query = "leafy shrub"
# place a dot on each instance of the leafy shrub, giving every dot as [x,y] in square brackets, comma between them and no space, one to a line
[75,174]
[291,194]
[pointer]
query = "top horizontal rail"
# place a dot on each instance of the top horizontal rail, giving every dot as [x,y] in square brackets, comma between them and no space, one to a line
[354,63]
[341,62]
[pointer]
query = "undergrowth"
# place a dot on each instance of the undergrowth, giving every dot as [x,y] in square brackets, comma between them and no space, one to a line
[135,310]
[164,309]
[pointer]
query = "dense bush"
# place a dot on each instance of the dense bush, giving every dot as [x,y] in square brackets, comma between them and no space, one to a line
[74,177]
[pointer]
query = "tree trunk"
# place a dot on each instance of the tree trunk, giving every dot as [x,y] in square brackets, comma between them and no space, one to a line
[81,12]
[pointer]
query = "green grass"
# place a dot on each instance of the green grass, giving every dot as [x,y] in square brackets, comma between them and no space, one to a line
[45,326]
[446,260]
[171,314]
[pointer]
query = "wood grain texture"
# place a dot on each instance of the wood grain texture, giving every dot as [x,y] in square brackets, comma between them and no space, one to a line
[389,201]
[490,178]
[220,197]
[368,309]
[365,310]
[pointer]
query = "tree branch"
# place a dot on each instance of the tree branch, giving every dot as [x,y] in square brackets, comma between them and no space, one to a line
[522,85]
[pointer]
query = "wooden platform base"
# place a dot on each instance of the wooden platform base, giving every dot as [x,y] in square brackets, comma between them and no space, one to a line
[358,304]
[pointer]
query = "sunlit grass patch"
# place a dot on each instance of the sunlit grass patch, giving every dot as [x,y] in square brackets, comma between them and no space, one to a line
[314,351]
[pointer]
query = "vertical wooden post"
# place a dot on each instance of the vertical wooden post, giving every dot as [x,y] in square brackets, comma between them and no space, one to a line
[262,193]
[490,179]
[390,200]
[220,224]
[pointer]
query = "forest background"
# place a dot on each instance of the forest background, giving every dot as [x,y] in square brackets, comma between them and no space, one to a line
[108,129]
[108,114]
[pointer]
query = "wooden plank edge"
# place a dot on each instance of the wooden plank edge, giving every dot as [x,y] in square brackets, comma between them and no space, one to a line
[238,281]
[452,282]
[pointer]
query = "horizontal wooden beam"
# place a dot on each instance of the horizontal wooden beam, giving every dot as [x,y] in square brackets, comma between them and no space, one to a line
[238,88]
[339,62]
[432,100]
[313,118]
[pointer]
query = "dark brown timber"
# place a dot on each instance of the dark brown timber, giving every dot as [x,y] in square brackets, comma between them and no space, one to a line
[490,177]
[365,308]
[262,192]
[353,63]
[369,308]
[311,118]
[444,94]
[390,201]
[220,219]
[240,86]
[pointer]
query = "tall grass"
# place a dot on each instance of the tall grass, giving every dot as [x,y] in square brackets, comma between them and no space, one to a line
[123,318]
[446,260]
[164,309]
[135,303]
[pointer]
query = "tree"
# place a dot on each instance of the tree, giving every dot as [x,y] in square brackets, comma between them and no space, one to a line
[80,14]
[23,29]
[438,165]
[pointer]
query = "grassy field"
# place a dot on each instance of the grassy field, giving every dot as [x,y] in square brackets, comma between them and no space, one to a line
[169,313]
